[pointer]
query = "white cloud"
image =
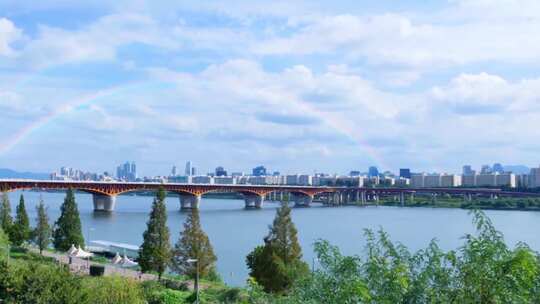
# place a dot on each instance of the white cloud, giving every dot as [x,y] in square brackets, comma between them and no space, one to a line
[10,100]
[263,84]
[98,41]
[489,94]
[399,39]
[9,33]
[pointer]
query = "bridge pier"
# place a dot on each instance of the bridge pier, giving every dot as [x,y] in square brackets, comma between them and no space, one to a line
[103,202]
[302,200]
[337,198]
[253,201]
[402,199]
[363,198]
[328,199]
[189,201]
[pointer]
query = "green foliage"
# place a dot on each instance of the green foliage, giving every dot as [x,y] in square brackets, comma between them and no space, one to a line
[483,270]
[193,244]
[155,252]
[38,282]
[113,290]
[4,243]
[20,231]
[155,293]
[5,214]
[278,264]
[42,232]
[336,282]
[232,295]
[32,278]
[68,226]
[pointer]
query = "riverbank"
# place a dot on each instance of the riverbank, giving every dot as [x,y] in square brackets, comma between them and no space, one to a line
[507,204]
[49,278]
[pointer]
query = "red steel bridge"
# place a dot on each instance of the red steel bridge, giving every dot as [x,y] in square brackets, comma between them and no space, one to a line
[104,193]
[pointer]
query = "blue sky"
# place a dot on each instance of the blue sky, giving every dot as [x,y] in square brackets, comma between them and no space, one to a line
[299,86]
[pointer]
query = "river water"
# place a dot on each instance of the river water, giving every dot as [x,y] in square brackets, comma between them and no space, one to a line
[234,232]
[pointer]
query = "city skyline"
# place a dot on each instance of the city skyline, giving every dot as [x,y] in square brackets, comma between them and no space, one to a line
[295,87]
[127,171]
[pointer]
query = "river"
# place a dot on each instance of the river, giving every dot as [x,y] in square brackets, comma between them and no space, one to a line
[234,232]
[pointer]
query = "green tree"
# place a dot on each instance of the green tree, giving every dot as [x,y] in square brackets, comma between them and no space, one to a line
[42,233]
[5,214]
[278,264]
[68,226]
[193,244]
[155,252]
[20,231]
[4,242]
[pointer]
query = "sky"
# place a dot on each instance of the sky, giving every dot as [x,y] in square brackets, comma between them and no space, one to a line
[297,86]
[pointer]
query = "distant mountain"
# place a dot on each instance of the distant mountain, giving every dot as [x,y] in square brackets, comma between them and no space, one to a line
[517,169]
[8,173]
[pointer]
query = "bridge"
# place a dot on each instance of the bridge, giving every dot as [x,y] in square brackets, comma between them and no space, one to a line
[104,193]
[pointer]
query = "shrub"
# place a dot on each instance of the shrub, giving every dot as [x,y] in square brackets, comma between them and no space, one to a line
[232,295]
[31,282]
[175,284]
[113,290]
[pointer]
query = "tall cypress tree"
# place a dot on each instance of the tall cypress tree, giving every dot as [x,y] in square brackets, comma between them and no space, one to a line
[20,231]
[5,214]
[42,233]
[278,263]
[193,244]
[68,226]
[155,252]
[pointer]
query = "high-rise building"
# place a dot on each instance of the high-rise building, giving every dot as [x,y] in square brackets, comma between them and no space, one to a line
[173,171]
[220,171]
[189,168]
[405,173]
[534,178]
[259,171]
[486,169]
[467,170]
[133,171]
[373,171]
[193,171]
[354,173]
[498,168]
[127,171]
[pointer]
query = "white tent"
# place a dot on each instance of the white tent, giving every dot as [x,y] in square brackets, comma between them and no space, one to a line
[117,259]
[80,253]
[126,262]
[71,250]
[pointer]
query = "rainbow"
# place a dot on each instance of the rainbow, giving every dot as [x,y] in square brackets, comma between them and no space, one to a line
[23,133]
[342,126]
[337,123]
